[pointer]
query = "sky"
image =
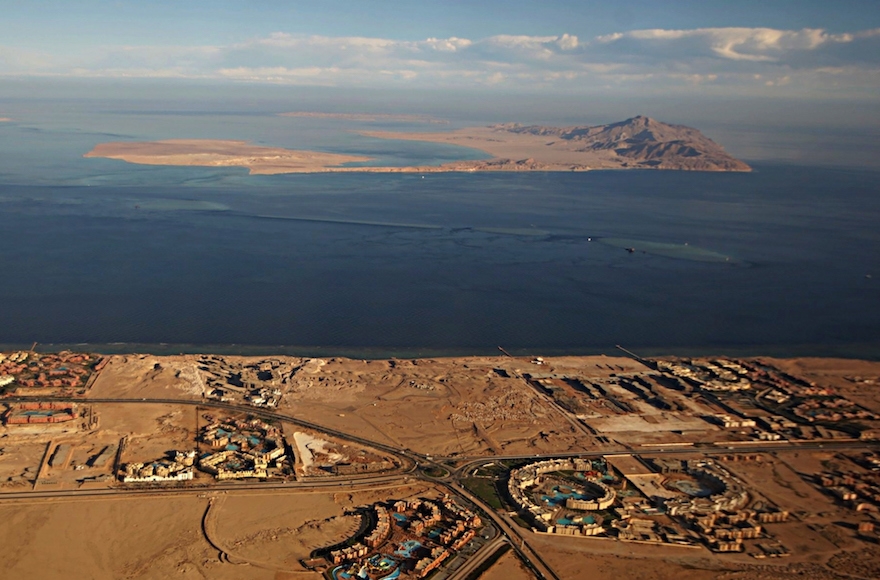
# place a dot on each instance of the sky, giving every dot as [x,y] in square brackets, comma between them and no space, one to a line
[804,49]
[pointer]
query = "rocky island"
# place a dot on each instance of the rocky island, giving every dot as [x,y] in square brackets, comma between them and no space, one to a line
[637,143]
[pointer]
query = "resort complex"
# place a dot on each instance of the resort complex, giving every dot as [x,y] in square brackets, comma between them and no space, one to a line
[406,539]
[453,468]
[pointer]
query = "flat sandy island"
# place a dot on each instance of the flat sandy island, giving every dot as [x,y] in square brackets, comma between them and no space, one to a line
[259,160]
[5,119]
[222,153]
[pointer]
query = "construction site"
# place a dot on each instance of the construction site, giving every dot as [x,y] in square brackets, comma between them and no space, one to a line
[259,383]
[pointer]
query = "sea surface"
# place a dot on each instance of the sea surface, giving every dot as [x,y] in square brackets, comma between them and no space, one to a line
[120,257]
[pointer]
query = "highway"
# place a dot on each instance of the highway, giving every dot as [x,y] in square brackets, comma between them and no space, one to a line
[510,529]
[328,484]
[477,559]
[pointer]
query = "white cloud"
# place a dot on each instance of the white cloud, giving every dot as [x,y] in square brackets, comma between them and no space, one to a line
[520,41]
[738,59]
[448,44]
[567,42]
[749,44]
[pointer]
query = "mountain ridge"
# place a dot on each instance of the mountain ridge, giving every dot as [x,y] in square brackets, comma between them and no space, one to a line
[640,141]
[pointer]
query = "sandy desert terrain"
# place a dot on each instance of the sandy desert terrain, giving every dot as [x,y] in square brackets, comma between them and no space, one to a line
[508,567]
[221,153]
[451,410]
[262,535]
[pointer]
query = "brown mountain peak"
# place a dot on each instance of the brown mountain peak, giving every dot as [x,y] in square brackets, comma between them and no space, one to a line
[641,141]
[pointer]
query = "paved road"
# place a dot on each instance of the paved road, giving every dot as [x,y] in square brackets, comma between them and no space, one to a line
[477,559]
[329,484]
[510,529]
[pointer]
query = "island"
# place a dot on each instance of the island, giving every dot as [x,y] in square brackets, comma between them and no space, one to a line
[222,153]
[636,143]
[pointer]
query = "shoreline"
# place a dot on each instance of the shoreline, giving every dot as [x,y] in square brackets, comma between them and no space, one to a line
[222,153]
[849,352]
[259,167]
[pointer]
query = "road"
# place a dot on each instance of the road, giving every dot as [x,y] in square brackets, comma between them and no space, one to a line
[510,529]
[330,484]
[475,561]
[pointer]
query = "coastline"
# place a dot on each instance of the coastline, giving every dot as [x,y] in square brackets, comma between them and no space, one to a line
[514,148]
[222,153]
[276,161]
[856,352]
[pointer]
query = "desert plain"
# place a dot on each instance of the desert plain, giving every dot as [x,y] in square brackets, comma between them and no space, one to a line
[354,435]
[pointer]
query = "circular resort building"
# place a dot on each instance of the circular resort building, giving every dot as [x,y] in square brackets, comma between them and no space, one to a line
[541,489]
[569,496]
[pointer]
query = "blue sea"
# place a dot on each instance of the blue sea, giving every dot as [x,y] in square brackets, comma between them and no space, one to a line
[118,257]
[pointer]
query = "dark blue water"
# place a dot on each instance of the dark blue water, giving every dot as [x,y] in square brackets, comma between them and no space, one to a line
[125,264]
[98,251]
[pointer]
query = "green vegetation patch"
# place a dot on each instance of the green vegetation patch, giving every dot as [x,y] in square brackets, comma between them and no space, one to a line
[435,471]
[485,490]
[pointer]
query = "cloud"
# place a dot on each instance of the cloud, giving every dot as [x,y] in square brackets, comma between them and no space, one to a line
[567,42]
[745,60]
[733,44]
[448,44]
